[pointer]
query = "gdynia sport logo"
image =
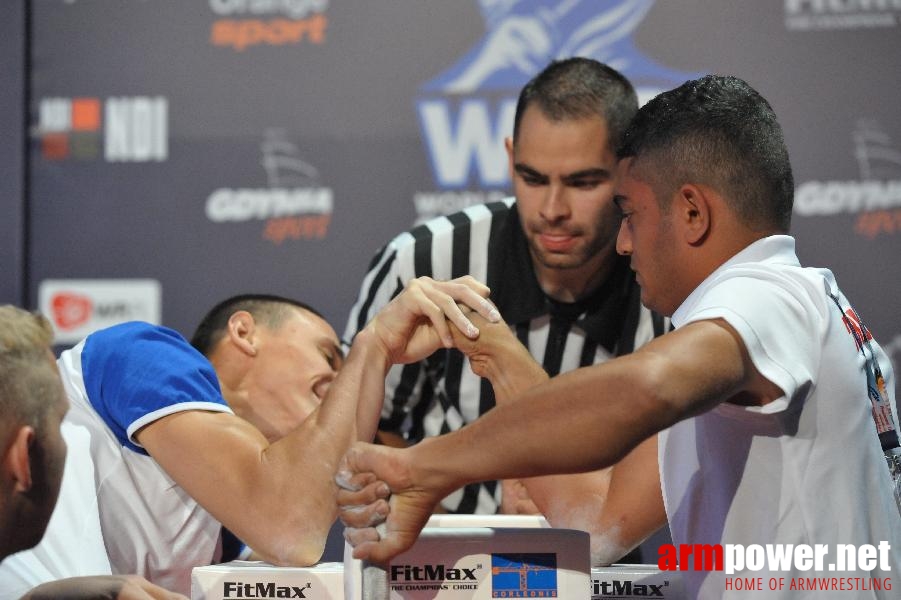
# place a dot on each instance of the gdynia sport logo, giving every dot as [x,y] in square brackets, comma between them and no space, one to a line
[807,567]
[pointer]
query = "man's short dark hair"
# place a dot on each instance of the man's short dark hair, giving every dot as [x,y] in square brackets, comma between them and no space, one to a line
[579,88]
[718,131]
[266,309]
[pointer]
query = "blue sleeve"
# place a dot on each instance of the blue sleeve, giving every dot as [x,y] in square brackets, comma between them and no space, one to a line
[136,373]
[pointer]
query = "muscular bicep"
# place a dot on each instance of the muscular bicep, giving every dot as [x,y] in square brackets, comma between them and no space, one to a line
[215,457]
[703,364]
[278,498]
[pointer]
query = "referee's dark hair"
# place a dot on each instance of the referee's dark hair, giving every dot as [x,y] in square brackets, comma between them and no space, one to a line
[579,88]
[267,309]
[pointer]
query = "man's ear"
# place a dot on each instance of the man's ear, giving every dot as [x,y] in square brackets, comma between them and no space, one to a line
[17,462]
[508,144]
[242,332]
[693,211]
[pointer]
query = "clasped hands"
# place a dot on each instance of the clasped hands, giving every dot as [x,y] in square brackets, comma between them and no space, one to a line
[425,317]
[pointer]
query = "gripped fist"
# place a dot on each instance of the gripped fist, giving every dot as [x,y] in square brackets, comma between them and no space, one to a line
[379,529]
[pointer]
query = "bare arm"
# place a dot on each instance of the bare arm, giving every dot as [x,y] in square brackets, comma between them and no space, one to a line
[279,498]
[101,587]
[620,403]
[620,506]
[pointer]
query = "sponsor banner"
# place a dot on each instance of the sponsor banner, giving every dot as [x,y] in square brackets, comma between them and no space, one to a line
[466,111]
[874,199]
[397,112]
[524,575]
[244,24]
[841,15]
[293,205]
[118,129]
[636,581]
[479,563]
[78,307]
[254,579]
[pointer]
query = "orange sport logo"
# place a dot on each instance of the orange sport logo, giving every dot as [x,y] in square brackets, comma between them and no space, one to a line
[244,24]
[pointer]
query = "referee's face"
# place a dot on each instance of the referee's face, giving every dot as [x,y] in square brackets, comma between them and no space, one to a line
[563,177]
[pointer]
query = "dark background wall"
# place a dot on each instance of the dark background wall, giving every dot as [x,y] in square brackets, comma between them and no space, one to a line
[12,145]
[179,151]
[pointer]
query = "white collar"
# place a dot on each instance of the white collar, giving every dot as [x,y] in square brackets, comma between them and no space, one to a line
[774,249]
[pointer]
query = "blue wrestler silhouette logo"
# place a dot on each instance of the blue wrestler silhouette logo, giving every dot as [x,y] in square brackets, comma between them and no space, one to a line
[466,111]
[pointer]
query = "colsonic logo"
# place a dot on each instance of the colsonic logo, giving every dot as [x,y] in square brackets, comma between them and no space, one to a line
[821,15]
[524,575]
[626,589]
[293,206]
[127,128]
[466,111]
[246,23]
[875,198]
[237,589]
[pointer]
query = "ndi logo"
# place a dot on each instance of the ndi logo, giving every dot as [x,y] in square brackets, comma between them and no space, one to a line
[524,575]
[129,129]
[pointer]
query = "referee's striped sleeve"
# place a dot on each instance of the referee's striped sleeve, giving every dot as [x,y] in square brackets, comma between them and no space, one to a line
[389,271]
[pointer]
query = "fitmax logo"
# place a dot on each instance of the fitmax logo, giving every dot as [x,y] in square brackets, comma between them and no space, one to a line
[237,589]
[626,589]
[430,573]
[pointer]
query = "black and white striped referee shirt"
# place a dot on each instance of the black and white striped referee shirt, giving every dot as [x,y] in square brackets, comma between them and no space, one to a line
[441,394]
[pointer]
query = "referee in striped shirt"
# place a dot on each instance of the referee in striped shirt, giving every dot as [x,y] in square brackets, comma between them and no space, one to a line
[548,256]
